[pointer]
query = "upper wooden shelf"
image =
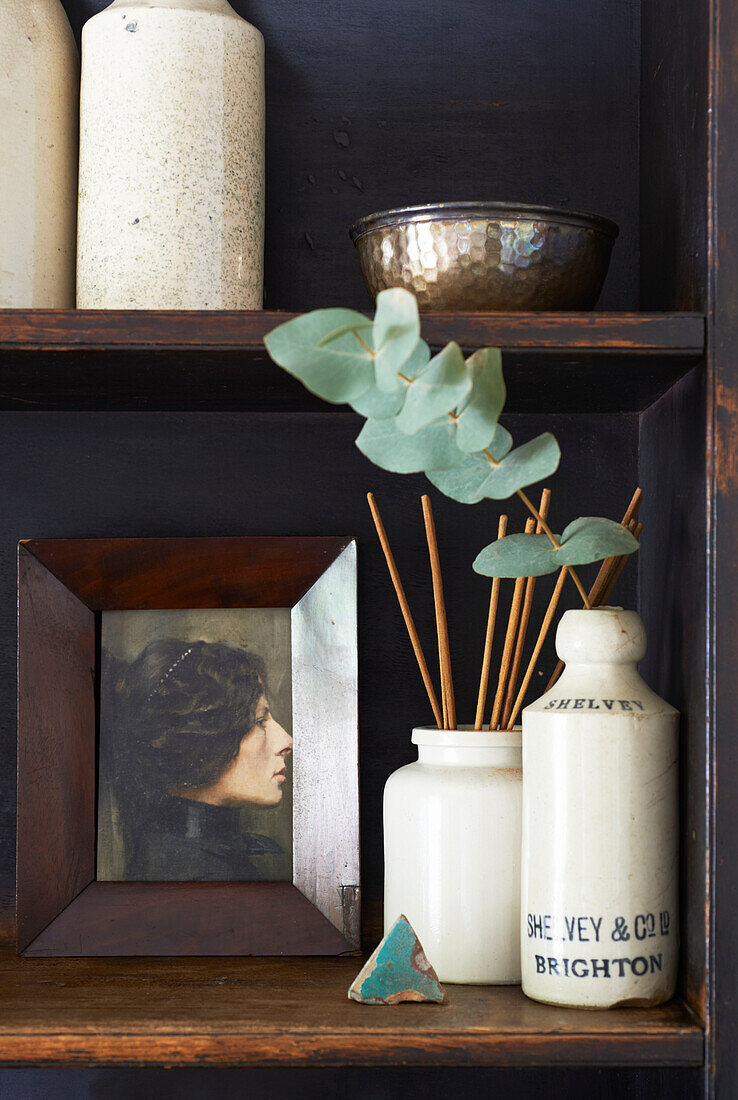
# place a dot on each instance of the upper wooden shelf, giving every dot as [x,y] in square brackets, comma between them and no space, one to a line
[182,361]
[63,330]
[273,1012]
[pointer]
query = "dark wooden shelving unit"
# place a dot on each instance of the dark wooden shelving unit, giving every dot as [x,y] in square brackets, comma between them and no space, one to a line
[623,109]
[296,1013]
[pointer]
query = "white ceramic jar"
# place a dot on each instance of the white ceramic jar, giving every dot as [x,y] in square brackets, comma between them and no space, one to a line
[600,824]
[39,98]
[452,852]
[171,189]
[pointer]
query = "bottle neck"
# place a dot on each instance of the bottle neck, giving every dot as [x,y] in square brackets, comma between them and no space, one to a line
[218,7]
[599,672]
[466,747]
[506,756]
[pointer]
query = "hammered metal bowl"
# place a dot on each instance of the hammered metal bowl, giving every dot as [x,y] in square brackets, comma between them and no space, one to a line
[487,255]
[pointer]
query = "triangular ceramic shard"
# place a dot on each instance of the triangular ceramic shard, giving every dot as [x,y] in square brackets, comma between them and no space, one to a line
[397,971]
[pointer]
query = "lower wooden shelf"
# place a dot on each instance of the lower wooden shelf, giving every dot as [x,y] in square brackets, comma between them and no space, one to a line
[280,1012]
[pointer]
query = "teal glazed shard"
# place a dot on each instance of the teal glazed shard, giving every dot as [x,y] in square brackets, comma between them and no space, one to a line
[397,971]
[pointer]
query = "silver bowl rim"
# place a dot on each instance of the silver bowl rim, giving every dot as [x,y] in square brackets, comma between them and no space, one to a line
[463,211]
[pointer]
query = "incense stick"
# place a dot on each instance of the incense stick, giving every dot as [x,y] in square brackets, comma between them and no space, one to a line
[444,691]
[553,603]
[619,567]
[405,609]
[441,621]
[595,593]
[632,510]
[530,585]
[439,644]
[512,626]
[604,582]
[489,636]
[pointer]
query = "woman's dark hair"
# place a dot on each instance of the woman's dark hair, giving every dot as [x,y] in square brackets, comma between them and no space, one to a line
[181,711]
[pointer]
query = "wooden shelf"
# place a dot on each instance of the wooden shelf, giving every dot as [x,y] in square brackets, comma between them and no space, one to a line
[192,361]
[295,1012]
[57,330]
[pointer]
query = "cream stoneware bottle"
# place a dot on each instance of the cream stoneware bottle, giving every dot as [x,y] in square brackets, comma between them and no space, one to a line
[599,914]
[171,187]
[452,852]
[39,101]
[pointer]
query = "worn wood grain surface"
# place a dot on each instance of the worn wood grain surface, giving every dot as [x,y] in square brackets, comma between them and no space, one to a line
[154,574]
[722,415]
[184,918]
[267,1012]
[244,331]
[56,748]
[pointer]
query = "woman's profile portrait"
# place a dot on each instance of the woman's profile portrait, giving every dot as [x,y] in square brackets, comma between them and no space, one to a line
[195,747]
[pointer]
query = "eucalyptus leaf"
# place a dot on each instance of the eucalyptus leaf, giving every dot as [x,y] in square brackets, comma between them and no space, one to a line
[463,482]
[375,404]
[417,362]
[591,538]
[435,391]
[480,412]
[518,556]
[525,465]
[338,370]
[478,477]
[587,539]
[378,405]
[342,330]
[431,448]
[395,335]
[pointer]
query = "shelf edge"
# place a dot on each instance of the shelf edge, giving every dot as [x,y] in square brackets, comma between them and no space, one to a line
[141,330]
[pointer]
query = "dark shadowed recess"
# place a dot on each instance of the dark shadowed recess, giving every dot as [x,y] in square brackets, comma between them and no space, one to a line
[112,475]
[371,106]
[344,1084]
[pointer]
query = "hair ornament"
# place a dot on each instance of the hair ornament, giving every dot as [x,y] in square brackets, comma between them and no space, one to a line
[168,673]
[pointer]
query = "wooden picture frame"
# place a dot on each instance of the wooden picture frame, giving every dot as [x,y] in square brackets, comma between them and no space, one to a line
[63,586]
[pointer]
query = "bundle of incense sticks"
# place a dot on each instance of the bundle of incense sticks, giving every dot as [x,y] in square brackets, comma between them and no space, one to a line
[507,702]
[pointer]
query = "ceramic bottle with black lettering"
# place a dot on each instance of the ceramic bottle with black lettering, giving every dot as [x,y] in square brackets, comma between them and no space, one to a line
[600,854]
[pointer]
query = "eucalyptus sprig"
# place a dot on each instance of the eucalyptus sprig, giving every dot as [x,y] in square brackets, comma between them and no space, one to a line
[439,415]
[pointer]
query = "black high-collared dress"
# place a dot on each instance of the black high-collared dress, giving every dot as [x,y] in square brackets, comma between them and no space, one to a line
[185,841]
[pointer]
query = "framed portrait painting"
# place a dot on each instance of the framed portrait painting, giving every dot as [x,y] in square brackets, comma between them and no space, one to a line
[195,746]
[188,747]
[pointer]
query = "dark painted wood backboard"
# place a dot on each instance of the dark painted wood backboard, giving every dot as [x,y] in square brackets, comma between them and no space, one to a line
[121,476]
[371,106]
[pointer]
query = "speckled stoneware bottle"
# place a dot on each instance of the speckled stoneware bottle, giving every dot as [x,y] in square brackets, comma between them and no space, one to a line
[600,824]
[39,97]
[171,193]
